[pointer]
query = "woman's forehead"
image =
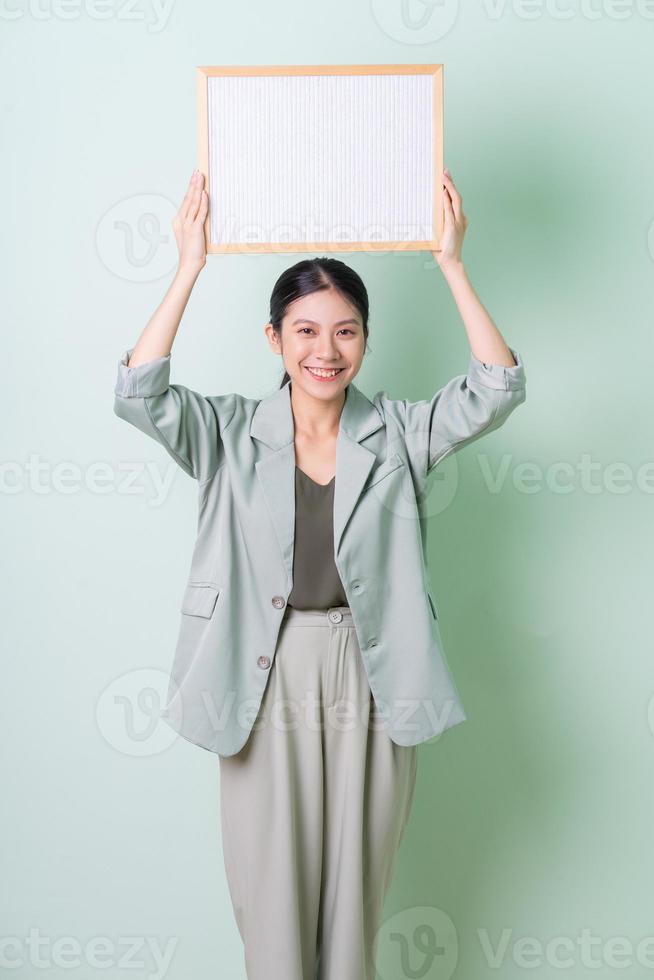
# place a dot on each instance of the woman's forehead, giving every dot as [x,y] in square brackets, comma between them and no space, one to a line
[323,308]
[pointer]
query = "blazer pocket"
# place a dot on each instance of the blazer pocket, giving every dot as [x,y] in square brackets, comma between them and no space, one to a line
[389,466]
[432,605]
[200,599]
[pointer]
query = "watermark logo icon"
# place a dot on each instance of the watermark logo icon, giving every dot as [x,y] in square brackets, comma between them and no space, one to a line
[135,239]
[418,942]
[415,21]
[129,713]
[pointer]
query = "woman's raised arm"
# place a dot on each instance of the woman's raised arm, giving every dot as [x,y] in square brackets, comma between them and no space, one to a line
[188,425]
[158,335]
[471,404]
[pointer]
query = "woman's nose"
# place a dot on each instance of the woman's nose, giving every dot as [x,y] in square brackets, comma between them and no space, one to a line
[329,352]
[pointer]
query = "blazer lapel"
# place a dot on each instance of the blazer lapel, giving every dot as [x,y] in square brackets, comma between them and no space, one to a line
[272,424]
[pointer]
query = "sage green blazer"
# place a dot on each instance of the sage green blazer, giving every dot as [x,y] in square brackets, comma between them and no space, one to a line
[241,452]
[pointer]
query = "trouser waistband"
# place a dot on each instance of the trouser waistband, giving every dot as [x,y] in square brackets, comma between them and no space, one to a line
[333,616]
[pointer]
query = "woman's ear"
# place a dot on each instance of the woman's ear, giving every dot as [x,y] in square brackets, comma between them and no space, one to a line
[273,338]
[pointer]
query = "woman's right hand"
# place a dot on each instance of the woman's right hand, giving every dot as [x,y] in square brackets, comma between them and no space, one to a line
[188,224]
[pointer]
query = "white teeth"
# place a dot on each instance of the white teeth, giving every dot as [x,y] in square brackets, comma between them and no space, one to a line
[323,373]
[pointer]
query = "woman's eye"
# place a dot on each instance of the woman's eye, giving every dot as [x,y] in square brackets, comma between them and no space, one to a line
[343,330]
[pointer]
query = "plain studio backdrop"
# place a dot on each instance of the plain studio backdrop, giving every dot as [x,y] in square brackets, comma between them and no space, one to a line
[529,845]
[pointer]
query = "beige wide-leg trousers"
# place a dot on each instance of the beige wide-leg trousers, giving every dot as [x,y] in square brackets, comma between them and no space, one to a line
[313,809]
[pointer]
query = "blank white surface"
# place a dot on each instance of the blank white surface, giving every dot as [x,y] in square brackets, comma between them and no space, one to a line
[303,158]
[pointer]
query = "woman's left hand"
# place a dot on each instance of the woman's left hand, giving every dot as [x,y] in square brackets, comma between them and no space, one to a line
[454,227]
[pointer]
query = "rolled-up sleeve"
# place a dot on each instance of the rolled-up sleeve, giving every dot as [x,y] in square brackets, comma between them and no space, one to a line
[187,424]
[464,409]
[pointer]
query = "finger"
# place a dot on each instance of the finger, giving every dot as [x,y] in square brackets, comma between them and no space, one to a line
[183,208]
[196,199]
[454,194]
[449,183]
[204,207]
[449,211]
[192,195]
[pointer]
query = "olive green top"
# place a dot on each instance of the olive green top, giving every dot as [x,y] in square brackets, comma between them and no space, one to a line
[316,582]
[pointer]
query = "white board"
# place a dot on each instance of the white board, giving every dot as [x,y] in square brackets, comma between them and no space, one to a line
[332,157]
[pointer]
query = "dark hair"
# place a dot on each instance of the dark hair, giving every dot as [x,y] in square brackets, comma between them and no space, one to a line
[310,275]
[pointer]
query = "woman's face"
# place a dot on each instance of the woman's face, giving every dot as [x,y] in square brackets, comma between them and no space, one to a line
[324,332]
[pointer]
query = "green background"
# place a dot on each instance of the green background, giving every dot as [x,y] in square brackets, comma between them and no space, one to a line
[535,816]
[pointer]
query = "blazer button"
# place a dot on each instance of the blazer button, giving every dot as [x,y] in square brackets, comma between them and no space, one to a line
[278,601]
[264,662]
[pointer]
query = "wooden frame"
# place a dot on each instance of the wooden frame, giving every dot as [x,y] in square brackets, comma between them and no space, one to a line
[433,238]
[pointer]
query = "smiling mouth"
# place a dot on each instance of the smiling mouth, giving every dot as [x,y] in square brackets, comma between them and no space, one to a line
[322,374]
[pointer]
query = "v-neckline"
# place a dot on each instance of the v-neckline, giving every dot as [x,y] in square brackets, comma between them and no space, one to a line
[323,486]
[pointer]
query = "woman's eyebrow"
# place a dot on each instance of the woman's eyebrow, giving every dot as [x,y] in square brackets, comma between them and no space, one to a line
[316,324]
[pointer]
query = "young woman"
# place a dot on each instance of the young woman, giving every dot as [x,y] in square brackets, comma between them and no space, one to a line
[309,600]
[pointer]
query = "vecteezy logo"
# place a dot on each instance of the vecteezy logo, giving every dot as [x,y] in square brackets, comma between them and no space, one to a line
[415,21]
[417,942]
[128,713]
[135,240]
